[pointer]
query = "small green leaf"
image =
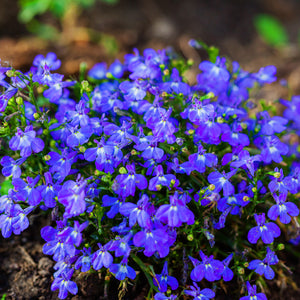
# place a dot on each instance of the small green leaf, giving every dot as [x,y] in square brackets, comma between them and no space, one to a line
[6,186]
[271,30]
[31,8]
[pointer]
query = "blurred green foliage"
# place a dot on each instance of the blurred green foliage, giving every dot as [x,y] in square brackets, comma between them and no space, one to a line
[271,30]
[31,8]
[5,187]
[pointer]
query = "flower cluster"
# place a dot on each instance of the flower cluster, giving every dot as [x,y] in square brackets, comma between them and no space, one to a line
[139,168]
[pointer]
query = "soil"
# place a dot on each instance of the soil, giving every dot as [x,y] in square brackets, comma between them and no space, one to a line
[25,273]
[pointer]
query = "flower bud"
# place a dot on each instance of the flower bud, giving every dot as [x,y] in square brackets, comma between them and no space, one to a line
[11,101]
[10,73]
[164,94]
[280,247]
[191,131]
[244,125]
[109,75]
[36,115]
[211,187]
[97,173]
[122,170]
[158,187]
[82,149]
[133,152]
[245,198]
[277,175]
[19,100]
[254,189]
[179,141]
[166,72]
[45,131]
[47,157]
[172,183]
[190,62]
[184,149]
[190,237]
[220,120]
[241,270]
[246,264]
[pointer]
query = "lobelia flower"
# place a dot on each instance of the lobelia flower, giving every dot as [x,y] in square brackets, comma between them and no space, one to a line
[127,183]
[266,75]
[209,268]
[72,196]
[233,136]
[161,296]
[122,270]
[26,142]
[227,273]
[27,191]
[84,261]
[245,160]
[137,212]
[263,267]
[11,167]
[163,280]
[79,116]
[278,184]
[98,71]
[150,148]
[64,284]
[199,161]
[121,246]
[269,125]
[283,209]
[49,191]
[78,136]
[221,182]
[51,60]
[267,231]
[160,179]
[252,294]
[136,90]
[175,213]
[102,258]
[199,294]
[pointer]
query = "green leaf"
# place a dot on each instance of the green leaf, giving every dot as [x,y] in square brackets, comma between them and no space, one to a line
[271,30]
[44,31]
[31,8]
[5,187]
[146,270]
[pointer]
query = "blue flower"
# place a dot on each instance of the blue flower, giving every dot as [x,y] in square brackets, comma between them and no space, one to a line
[252,294]
[267,231]
[163,280]
[122,270]
[199,294]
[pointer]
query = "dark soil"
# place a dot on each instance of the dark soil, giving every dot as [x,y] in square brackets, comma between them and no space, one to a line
[25,273]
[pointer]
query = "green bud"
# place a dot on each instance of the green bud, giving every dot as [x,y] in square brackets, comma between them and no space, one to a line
[47,157]
[172,183]
[244,125]
[40,89]
[172,148]
[210,95]
[19,100]
[10,73]
[190,62]
[11,101]
[246,264]
[241,270]
[82,149]
[190,237]
[164,94]
[191,131]
[246,198]
[158,187]
[122,170]
[97,173]
[277,175]
[109,75]
[133,152]
[184,149]
[36,115]
[254,189]
[234,116]
[52,144]
[45,131]
[4,131]
[220,120]
[280,247]
[85,84]
[166,72]
[211,187]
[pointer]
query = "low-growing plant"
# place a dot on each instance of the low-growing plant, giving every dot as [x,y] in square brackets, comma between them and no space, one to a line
[146,175]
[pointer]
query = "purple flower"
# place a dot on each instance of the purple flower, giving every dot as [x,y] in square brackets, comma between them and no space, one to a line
[210,268]
[221,182]
[122,270]
[11,167]
[283,209]
[84,261]
[128,182]
[252,294]
[26,142]
[137,212]
[161,180]
[102,257]
[244,159]
[227,273]
[51,60]
[267,231]
[49,191]
[199,294]
[163,280]
[175,213]
[263,267]
[65,285]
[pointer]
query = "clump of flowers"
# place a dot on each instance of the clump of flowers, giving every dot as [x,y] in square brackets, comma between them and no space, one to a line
[147,175]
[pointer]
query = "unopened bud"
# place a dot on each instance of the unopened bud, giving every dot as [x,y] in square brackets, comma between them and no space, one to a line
[82,149]
[190,62]
[172,148]
[85,84]
[241,271]
[277,175]
[158,187]
[45,131]
[220,120]
[97,173]
[280,247]
[191,131]
[36,115]
[10,73]
[164,94]
[122,170]
[190,237]
[244,125]
[184,149]
[179,141]
[166,72]
[246,264]
[19,100]
[47,157]
[245,198]
[11,101]
[133,152]
[40,89]
[172,183]
[109,75]
[210,95]
[211,187]
[234,116]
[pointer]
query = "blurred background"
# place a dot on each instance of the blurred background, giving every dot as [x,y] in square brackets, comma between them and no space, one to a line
[253,32]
